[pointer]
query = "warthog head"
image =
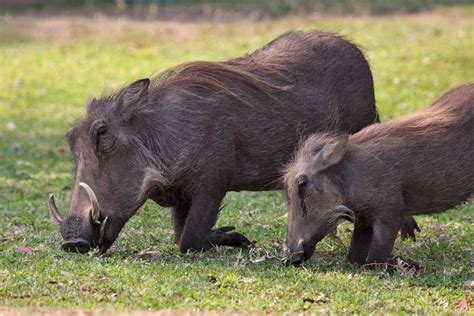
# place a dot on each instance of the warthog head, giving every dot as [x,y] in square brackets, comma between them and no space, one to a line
[315,201]
[111,162]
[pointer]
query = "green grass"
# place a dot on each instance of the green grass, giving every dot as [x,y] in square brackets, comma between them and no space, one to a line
[50,67]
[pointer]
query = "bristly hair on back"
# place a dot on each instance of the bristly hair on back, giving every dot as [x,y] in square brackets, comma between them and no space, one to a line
[206,80]
[450,111]
[225,79]
[246,79]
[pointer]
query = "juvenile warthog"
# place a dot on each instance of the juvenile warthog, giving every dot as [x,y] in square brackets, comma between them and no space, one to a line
[187,137]
[420,164]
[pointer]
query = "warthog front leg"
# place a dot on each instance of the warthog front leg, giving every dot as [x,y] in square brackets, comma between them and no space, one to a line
[360,244]
[198,233]
[383,238]
[180,213]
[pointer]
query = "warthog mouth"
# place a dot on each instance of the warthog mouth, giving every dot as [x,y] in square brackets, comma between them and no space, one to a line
[76,245]
[304,250]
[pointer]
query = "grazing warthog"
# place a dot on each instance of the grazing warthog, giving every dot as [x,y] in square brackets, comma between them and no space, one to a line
[187,137]
[420,164]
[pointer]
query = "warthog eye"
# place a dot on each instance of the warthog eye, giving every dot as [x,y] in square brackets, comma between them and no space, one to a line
[302,182]
[98,131]
[102,130]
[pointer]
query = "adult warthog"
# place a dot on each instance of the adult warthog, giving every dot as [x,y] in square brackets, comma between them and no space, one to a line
[187,137]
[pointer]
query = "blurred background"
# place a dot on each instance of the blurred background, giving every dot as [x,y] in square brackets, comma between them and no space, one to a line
[209,7]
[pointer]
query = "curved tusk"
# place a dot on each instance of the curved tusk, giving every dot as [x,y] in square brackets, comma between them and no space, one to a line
[93,200]
[102,230]
[55,215]
[300,243]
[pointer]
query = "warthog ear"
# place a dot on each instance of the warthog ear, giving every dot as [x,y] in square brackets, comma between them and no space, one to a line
[331,153]
[132,98]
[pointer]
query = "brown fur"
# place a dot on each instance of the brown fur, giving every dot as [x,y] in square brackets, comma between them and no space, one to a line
[419,164]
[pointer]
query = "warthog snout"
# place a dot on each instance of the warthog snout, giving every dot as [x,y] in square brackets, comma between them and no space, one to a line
[84,230]
[298,253]
[295,254]
[296,259]
[76,245]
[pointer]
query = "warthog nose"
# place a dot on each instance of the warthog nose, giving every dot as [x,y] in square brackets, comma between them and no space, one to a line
[76,245]
[296,260]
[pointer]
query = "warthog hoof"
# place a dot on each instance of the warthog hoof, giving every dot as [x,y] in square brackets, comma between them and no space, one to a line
[408,228]
[222,237]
